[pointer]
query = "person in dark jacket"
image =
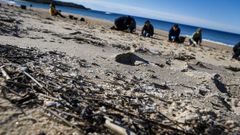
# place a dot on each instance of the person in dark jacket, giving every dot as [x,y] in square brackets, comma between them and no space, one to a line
[236,51]
[125,23]
[196,38]
[148,29]
[174,34]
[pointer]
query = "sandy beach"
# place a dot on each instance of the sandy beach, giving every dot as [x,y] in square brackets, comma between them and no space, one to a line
[190,90]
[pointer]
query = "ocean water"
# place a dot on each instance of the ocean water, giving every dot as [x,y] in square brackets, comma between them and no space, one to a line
[217,36]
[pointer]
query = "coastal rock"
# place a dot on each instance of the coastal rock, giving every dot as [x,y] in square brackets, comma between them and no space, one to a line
[130,59]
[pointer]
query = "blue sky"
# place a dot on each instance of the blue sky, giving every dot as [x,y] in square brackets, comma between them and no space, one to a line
[216,14]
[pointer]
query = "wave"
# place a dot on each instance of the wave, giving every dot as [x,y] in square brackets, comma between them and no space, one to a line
[107,13]
[212,41]
[216,42]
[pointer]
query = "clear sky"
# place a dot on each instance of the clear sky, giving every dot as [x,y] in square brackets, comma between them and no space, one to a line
[217,14]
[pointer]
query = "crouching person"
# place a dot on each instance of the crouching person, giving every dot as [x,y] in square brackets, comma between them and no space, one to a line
[196,38]
[174,34]
[148,29]
[125,23]
[236,51]
[54,12]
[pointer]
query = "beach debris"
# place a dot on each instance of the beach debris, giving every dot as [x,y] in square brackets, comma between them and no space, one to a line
[49,18]
[68,95]
[200,64]
[4,73]
[76,33]
[146,50]
[10,26]
[161,86]
[117,129]
[82,38]
[234,69]
[217,80]
[169,62]
[49,81]
[160,65]
[130,59]
[204,89]
[123,47]
[187,67]
[184,57]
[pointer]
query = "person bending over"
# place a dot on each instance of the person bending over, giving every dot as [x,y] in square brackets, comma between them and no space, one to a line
[174,34]
[54,12]
[196,38]
[125,23]
[148,29]
[236,51]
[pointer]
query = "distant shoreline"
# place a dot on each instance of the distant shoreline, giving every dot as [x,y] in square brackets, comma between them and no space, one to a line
[60,3]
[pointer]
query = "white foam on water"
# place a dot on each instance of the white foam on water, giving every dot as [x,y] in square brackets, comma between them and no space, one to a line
[211,41]
[215,42]
[107,13]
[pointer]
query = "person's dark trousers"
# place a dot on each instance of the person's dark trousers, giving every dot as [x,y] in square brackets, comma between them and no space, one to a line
[58,13]
[177,40]
[170,37]
[236,54]
[131,29]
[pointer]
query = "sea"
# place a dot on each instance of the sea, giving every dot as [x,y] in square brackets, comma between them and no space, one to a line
[216,36]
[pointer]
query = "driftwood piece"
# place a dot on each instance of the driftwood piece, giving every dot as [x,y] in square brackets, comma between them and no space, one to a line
[5,74]
[142,119]
[30,96]
[39,84]
[12,91]
[116,128]
[27,74]
[18,84]
[62,119]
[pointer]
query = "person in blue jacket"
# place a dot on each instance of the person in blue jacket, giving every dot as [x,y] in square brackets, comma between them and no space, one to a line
[148,29]
[174,34]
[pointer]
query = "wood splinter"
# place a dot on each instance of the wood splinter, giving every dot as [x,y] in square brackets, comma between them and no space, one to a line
[4,73]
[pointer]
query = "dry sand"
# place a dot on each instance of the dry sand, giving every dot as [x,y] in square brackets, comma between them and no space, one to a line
[94,42]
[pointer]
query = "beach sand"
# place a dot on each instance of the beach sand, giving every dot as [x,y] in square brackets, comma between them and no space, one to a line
[188,71]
